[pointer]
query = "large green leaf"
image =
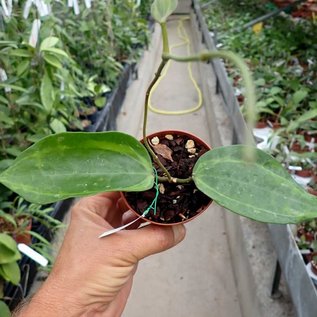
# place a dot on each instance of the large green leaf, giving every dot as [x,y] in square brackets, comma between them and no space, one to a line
[77,164]
[262,190]
[161,9]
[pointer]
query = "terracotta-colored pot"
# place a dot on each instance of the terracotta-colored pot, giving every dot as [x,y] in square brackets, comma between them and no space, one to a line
[24,237]
[305,173]
[20,233]
[261,124]
[161,135]
[296,147]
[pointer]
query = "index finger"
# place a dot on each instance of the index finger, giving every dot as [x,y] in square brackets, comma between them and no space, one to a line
[101,204]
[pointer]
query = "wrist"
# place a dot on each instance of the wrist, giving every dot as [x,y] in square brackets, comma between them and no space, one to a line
[51,301]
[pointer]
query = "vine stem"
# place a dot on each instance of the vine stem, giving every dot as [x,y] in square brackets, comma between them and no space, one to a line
[166,49]
[146,109]
[202,57]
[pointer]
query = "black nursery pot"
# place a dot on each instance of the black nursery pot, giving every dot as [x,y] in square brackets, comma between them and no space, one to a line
[176,203]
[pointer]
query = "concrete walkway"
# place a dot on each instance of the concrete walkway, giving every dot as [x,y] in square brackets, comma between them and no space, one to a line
[195,278]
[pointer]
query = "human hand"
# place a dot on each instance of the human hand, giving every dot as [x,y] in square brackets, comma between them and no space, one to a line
[91,276]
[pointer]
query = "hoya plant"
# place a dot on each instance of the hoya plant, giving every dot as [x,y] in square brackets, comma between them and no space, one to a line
[241,178]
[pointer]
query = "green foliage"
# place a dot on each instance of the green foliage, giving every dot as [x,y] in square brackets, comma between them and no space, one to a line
[47,93]
[34,101]
[18,214]
[115,33]
[281,58]
[261,190]
[301,119]
[56,167]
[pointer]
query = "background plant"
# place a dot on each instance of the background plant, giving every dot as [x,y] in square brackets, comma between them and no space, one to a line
[281,58]
[74,63]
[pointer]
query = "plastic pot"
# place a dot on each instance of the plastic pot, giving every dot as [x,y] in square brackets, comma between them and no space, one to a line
[202,147]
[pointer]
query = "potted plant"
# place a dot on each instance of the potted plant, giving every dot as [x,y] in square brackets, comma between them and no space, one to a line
[241,178]
[9,268]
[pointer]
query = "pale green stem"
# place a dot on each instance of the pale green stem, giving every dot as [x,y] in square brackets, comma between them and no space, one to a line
[158,73]
[250,94]
[146,109]
[166,49]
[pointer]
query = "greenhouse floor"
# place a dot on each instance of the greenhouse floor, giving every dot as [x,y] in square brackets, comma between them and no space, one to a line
[224,266]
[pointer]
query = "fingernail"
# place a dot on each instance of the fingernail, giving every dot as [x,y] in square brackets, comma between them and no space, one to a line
[179,233]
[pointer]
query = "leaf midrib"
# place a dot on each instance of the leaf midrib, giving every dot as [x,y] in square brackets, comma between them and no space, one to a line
[36,158]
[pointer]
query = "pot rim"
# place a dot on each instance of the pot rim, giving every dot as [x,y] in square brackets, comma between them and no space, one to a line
[200,210]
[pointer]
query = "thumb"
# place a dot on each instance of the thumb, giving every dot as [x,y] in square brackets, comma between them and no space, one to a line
[154,239]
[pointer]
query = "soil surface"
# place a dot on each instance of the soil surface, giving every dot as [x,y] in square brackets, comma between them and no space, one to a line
[176,202]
